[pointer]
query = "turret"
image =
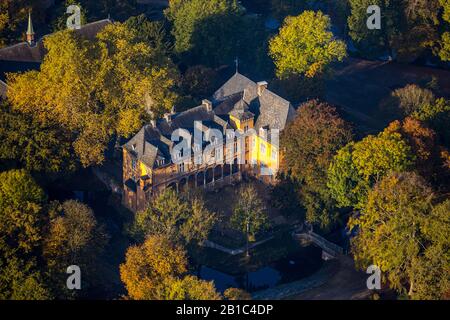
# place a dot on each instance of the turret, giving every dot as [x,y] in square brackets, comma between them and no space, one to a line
[30,31]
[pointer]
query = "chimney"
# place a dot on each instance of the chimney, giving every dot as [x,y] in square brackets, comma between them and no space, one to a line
[207,104]
[262,85]
[30,31]
[168,117]
[263,133]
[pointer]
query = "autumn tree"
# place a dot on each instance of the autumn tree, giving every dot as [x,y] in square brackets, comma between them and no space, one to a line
[249,213]
[444,50]
[305,45]
[192,288]
[173,215]
[74,238]
[396,233]
[424,143]
[437,116]
[156,270]
[95,89]
[412,98]
[310,142]
[430,273]
[358,166]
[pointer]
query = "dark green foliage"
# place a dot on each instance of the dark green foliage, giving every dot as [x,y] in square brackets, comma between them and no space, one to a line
[35,144]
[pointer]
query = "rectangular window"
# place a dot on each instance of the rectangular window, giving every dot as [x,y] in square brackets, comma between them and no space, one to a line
[262,148]
[181,167]
[274,154]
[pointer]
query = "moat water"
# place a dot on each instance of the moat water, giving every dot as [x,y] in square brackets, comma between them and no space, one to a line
[295,266]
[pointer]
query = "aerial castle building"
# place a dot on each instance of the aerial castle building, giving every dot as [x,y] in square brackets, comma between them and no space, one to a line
[240,104]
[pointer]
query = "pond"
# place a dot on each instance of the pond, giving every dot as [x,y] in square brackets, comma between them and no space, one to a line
[295,266]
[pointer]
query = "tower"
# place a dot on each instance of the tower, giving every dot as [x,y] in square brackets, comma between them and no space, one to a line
[30,31]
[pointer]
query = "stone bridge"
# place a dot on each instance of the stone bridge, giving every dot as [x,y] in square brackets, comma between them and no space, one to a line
[329,249]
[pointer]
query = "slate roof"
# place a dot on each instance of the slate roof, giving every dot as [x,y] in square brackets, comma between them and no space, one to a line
[23,52]
[238,97]
[236,84]
[268,108]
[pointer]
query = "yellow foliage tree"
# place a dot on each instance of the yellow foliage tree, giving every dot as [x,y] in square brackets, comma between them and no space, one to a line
[305,45]
[149,268]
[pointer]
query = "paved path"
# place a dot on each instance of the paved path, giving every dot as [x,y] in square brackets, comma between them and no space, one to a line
[345,284]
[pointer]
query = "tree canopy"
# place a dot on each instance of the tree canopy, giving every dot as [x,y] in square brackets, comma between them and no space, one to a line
[94,89]
[207,30]
[399,230]
[156,270]
[178,217]
[305,45]
[249,213]
[358,166]
[310,141]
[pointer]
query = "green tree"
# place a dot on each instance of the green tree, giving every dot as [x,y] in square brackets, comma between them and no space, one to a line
[305,45]
[373,42]
[207,30]
[38,145]
[22,221]
[395,230]
[310,142]
[21,212]
[358,166]
[152,33]
[60,23]
[181,219]
[21,280]
[249,214]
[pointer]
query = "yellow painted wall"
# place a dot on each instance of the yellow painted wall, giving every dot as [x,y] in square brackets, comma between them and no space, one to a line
[144,170]
[266,157]
[240,125]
